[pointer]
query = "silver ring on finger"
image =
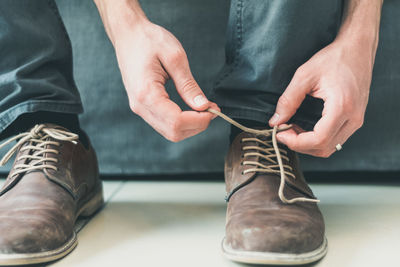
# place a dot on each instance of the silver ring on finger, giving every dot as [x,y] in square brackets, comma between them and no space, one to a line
[338,147]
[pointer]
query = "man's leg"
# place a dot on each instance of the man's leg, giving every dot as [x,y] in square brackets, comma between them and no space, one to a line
[36,65]
[272,217]
[266,42]
[54,178]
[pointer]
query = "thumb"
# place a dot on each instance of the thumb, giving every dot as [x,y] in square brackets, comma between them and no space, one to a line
[177,67]
[291,99]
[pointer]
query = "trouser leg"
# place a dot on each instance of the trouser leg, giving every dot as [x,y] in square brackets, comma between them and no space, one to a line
[35,65]
[267,40]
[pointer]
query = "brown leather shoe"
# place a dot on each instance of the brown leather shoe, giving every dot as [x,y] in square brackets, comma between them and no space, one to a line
[260,227]
[54,180]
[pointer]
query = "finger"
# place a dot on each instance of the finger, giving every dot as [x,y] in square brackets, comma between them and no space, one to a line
[321,138]
[291,98]
[177,66]
[193,121]
[215,107]
[338,139]
[293,127]
[344,134]
[168,119]
[341,137]
[196,120]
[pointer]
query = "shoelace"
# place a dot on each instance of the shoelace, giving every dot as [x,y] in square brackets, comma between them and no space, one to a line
[37,138]
[268,153]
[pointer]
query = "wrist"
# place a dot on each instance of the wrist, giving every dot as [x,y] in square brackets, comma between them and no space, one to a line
[359,48]
[120,17]
[364,40]
[359,32]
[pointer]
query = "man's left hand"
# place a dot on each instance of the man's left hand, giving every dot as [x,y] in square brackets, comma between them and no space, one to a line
[340,74]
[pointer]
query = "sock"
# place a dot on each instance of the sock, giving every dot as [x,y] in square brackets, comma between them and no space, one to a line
[26,121]
[248,123]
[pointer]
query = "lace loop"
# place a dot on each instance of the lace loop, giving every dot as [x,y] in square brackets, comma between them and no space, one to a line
[268,153]
[37,137]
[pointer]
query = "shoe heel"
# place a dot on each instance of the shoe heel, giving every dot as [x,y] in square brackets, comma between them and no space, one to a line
[93,205]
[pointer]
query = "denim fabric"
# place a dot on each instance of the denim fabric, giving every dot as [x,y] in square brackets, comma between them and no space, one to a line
[126,145]
[266,42]
[35,61]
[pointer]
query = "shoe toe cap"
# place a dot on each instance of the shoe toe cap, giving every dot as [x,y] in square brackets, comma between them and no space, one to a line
[30,236]
[283,234]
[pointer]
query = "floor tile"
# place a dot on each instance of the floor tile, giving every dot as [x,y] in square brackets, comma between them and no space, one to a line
[362,224]
[109,189]
[182,224]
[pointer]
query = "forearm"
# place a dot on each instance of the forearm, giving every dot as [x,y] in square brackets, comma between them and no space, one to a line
[360,26]
[118,16]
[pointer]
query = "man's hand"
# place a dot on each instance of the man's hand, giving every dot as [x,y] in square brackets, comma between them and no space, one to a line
[340,74]
[148,55]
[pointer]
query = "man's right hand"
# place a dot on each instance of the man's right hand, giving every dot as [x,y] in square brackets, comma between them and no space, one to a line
[148,55]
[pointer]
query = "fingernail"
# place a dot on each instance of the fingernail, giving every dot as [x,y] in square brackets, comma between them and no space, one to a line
[274,119]
[200,100]
[280,138]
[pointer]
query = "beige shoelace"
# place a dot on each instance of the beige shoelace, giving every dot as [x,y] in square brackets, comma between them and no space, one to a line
[37,142]
[268,153]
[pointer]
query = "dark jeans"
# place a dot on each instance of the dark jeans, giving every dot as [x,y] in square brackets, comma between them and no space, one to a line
[267,41]
[35,67]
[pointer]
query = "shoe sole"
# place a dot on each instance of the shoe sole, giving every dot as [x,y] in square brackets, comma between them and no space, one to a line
[88,209]
[272,258]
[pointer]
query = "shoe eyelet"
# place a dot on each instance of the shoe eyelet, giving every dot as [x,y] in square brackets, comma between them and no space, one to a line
[242,172]
[241,163]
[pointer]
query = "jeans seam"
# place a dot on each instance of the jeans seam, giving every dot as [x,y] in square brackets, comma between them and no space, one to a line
[239,41]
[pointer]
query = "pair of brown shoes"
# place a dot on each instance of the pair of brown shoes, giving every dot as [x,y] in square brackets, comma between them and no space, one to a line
[55,179]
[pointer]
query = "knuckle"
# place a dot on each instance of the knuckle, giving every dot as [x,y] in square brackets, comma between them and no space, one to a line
[141,96]
[323,154]
[174,134]
[300,72]
[133,107]
[189,86]
[173,138]
[176,57]
[359,121]
[148,96]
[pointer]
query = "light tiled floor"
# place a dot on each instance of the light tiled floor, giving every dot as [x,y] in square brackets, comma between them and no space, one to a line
[182,224]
